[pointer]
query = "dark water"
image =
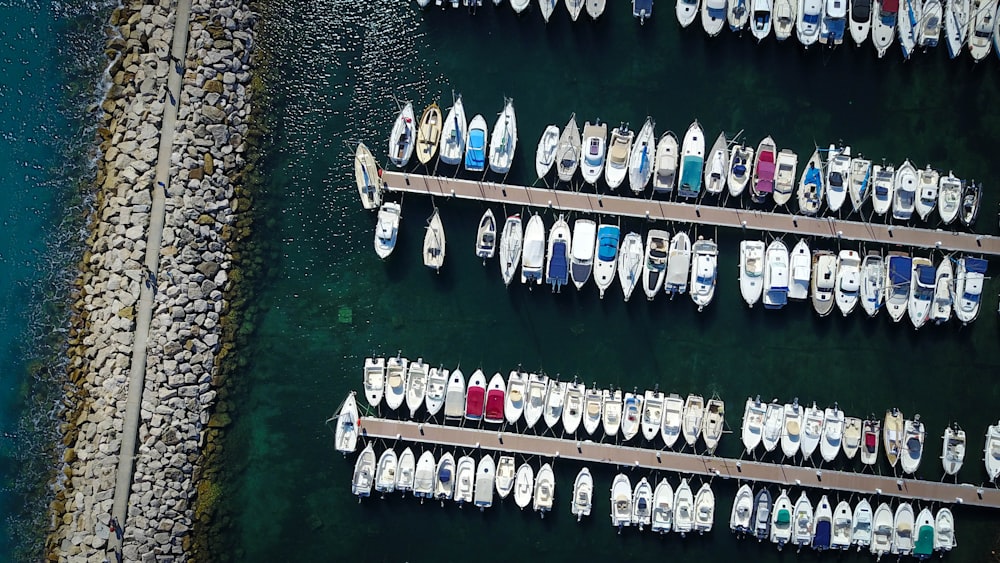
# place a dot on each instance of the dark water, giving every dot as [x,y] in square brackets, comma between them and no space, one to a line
[336,67]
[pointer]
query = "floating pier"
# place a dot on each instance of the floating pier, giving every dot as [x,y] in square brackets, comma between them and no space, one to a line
[657,210]
[666,460]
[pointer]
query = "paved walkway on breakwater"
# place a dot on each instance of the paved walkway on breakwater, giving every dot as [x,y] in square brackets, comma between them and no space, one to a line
[595,452]
[563,200]
[144,312]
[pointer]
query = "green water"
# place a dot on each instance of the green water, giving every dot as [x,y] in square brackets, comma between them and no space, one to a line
[335,69]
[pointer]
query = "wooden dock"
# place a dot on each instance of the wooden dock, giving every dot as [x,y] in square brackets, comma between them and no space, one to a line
[656,210]
[665,460]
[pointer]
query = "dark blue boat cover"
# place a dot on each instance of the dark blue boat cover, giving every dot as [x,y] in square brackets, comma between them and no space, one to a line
[925,274]
[899,270]
[977,265]
[558,269]
[822,538]
[444,475]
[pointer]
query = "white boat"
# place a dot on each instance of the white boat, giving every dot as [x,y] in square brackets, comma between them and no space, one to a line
[652,414]
[679,264]
[927,188]
[454,398]
[761,518]
[824,281]
[367,177]
[583,494]
[692,161]
[784,181]
[834,22]
[907,25]
[882,531]
[595,147]
[666,163]
[883,29]
[511,239]
[581,262]
[403,137]
[655,263]
[444,478]
[555,396]
[395,379]
[950,190]
[568,150]
[545,490]
[593,402]
[364,473]
[852,436]
[753,423]
[923,546]
[781,521]
[714,423]
[717,166]
[774,426]
[902,536]
[838,170]
[486,237]
[496,403]
[812,429]
[704,509]
[872,289]
[642,157]
[630,263]
[870,436]
[683,508]
[807,21]
[573,407]
[524,485]
[742,512]
[533,251]
[642,504]
[801,271]
[892,435]
[968,288]
[621,502]
[428,133]
[663,507]
[811,186]
[751,270]
[791,439]
[833,433]
[860,179]
[760,20]
[694,413]
[740,169]
[956,26]
[452,145]
[434,242]
[713,16]
[485,476]
[861,529]
[992,451]
[374,380]
[606,262]
[405,471]
[574,7]
[843,522]
[631,414]
[385,472]
[386,228]
[737,14]
[848,281]
[475,396]
[944,281]
[776,275]
[687,11]
[616,167]
[783,16]
[953,449]
[424,476]
[517,383]
[503,141]
[973,194]
[802,521]
[822,524]
[475,145]
[547,7]
[905,188]
[346,432]
[922,282]
[611,418]
[762,182]
[860,21]
[884,188]
[520,5]
[673,414]
[416,385]
[704,268]
[944,530]
[505,475]
[545,153]
[981,24]
[897,284]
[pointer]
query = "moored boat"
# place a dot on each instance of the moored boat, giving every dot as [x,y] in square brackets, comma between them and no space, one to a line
[861,530]
[923,546]
[592,405]
[761,521]
[992,451]
[882,530]
[666,163]
[611,417]
[781,520]
[801,271]
[774,425]
[860,20]
[496,393]
[673,414]
[630,263]
[953,449]
[737,14]
[517,383]
[642,504]
[969,288]
[652,414]
[740,169]
[595,139]
[811,186]
[692,160]
[385,472]
[368,178]
[751,270]
[444,477]
[713,16]
[524,485]
[423,476]
[704,509]
[505,475]
[386,228]
[475,145]
[922,280]
[944,282]
[568,150]
[848,289]
[454,399]
[583,494]
[345,435]
[679,264]
[884,187]
[956,26]
[812,429]
[852,436]
[545,490]
[760,20]
[616,167]
[859,186]
[582,255]
[533,251]
[452,144]
[545,153]
[663,507]
[971,198]
[401,139]
[791,437]
[687,11]
[824,281]
[511,239]
[753,423]
[927,189]
[475,396]
[872,289]
[838,165]
[621,502]
[555,398]
[884,20]
[482,496]
[783,16]
[833,433]
[374,380]
[892,435]
[762,183]
[897,286]
[704,270]
[434,242]
[395,382]
[655,264]
[595,8]
[715,419]
[944,530]
[840,538]
[606,262]
[694,412]
[803,521]
[870,435]
[807,22]
[981,24]
[950,192]
[902,535]
[642,157]
[428,133]
[717,165]
[503,141]
[573,407]
[486,236]
[784,181]
[822,525]
[905,189]
[364,473]
[631,414]
[834,22]
[416,385]
[776,275]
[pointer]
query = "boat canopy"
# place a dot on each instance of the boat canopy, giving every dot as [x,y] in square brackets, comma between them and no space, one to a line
[814,178]
[975,265]
[691,178]
[557,265]
[444,475]
[925,275]
[822,538]
[784,517]
[607,243]
[889,8]
[899,270]
[925,541]
[861,10]
[474,400]
[495,404]
[642,7]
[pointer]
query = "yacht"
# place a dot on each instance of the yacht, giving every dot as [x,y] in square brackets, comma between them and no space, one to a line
[621,502]
[428,134]
[692,159]
[762,514]
[922,282]
[434,242]
[395,379]
[923,547]
[956,26]
[944,281]
[505,475]
[573,407]
[452,145]
[642,504]
[944,530]
[884,188]
[803,520]
[511,239]
[824,278]
[784,180]
[524,485]
[568,150]
[781,520]
[834,22]
[517,383]
[897,286]
[545,153]
[386,228]
[927,186]
[762,183]
[641,158]
[981,25]
[465,480]
[606,263]
[592,405]
[557,265]
[666,163]
[346,434]
[812,429]
[882,530]
[713,16]
[884,18]
[807,22]
[717,165]
[801,270]
[703,272]
[687,11]
[776,276]
[416,385]
[423,477]
[486,236]
[444,478]
[694,413]
[791,437]
[655,263]
[753,423]
[482,496]
[496,393]
[902,537]
[992,451]
[630,263]
[838,164]
[783,16]
[848,281]
[740,169]
[872,289]
[714,423]
[811,186]
[860,20]
[833,433]
[475,396]
[852,436]
[859,185]
[364,473]
[861,529]
[822,525]
[892,435]
[545,490]
[906,192]
[367,177]
[631,414]
[374,380]
[704,509]
[401,140]
[616,167]
[652,414]
[663,507]
[870,435]
[595,140]
[774,426]
[950,191]
[475,145]
[679,264]
[739,517]
[842,526]
[555,399]
[673,415]
[751,270]
[968,288]
[953,448]
[533,251]
[582,256]
[454,398]
[405,471]
[583,494]
[760,23]
[611,419]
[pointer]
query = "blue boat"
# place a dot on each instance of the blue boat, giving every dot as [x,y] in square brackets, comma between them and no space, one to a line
[692,162]
[762,515]
[557,270]
[607,256]
[642,9]
[475,151]
[834,22]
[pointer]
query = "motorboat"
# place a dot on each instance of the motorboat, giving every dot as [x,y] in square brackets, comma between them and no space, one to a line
[395,379]
[533,251]
[953,449]
[364,473]
[503,141]
[717,165]
[606,263]
[547,7]
[944,530]
[852,436]
[428,134]
[642,157]
[573,407]
[944,282]
[713,16]
[374,380]
[368,178]
[803,520]
[762,514]
[583,494]
[902,536]
[801,271]
[568,149]
[737,14]
[475,145]
[642,9]
[416,385]
[386,228]
[581,262]
[838,167]
[545,153]
[892,435]
[402,137]
[992,451]
[882,531]
[907,26]
[971,198]
[885,184]
[923,546]
[774,426]
[666,163]
[981,32]
[784,180]
[655,264]
[753,423]
[927,183]
[704,269]
[824,281]
[434,242]
[444,477]
[621,502]
[505,475]
[496,393]
[873,270]
[424,476]
[783,16]
[475,396]
[762,183]
[517,386]
[870,435]
[860,20]
[616,167]
[751,270]
[956,26]
[482,496]
[812,429]
[452,144]
[642,504]
[834,22]
[968,288]
[346,433]
[486,236]
[574,7]
[791,437]
[776,275]
[611,418]
[905,189]
[592,406]
[860,180]
[883,30]
[694,413]
[684,508]
[405,471]
[811,186]
[704,509]
[950,191]
[545,490]
[922,285]
[511,240]
[454,398]
[631,414]
[833,433]
[807,22]
[652,414]
[524,485]
[861,529]
[673,416]
[630,263]
[740,169]
[739,517]
[692,159]
[714,423]
[822,525]
[897,289]
[663,507]
[385,472]
[595,139]
[781,520]
[848,288]
[840,538]
[760,22]
[555,398]
[679,264]
[687,11]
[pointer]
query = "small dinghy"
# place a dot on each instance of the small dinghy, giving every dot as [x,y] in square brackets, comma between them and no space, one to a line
[882,531]
[486,237]
[790,438]
[704,509]
[870,436]
[510,248]
[386,228]
[642,504]
[742,512]
[592,405]
[944,530]
[774,426]
[666,163]
[535,405]
[694,414]
[842,525]
[641,158]
[405,469]
[753,423]
[595,140]
[424,476]
[663,507]
[416,385]
[621,502]
[367,177]
[385,472]
[630,415]
[573,407]
[514,403]
[428,134]
[953,448]
[402,138]
[781,520]
[505,476]
[496,392]
[364,473]
[545,154]
[872,289]
[751,270]
[434,243]
[612,417]
[784,180]
[822,525]
[717,166]
[762,515]
[673,414]
[630,263]
[374,380]
[545,490]
[568,149]
[554,400]
[485,477]
[583,494]
[346,432]
[683,508]
[852,436]
[524,485]
[606,263]
[803,521]
[861,528]
[811,186]
[452,144]
[437,385]
[454,399]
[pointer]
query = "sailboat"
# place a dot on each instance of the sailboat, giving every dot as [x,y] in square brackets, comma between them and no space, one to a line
[663,507]
[762,515]
[776,275]
[679,264]
[969,288]
[524,485]
[953,448]
[616,167]
[574,7]
[533,253]
[666,163]
[557,265]
[882,530]
[592,405]
[452,144]
[905,191]
[803,521]
[482,496]
[454,399]
[631,415]
[374,380]
[842,525]
[364,473]
[545,153]
[838,169]
[416,385]
[760,23]
[992,451]
[385,472]
[545,489]
[640,162]
[612,413]
[595,139]
[860,20]
[694,413]
[751,270]
[475,145]
[428,133]
[927,187]
[812,429]
[944,281]
[852,436]
[848,281]
[517,383]
[774,425]
[801,271]
[981,27]
[434,242]
[833,433]
[630,263]
[740,169]
[535,405]
[642,504]
[762,183]
[872,288]
[704,268]
[583,494]
[683,508]
[811,186]
[510,247]
[386,228]
[496,392]
[655,263]
[368,178]
[950,191]
[704,509]
[869,443]
[621,502]
[892,435]
[956,26]
[790,438]
[717,166]
[582,255]
[944,530]
[554,400]
[475,396]
[784,181]
[824,280]
[395,379]
[860,180]
[908,24]
[503,141]
[715,419]
[547,6]
[692,159]
[922,280]
[573,407]
[861,530]
[606,263]
[902,537]
[568,149]
[652,414]
[346,433]
[401,140]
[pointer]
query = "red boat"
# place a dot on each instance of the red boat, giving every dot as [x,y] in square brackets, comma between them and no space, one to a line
[495,399]
[475,396]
